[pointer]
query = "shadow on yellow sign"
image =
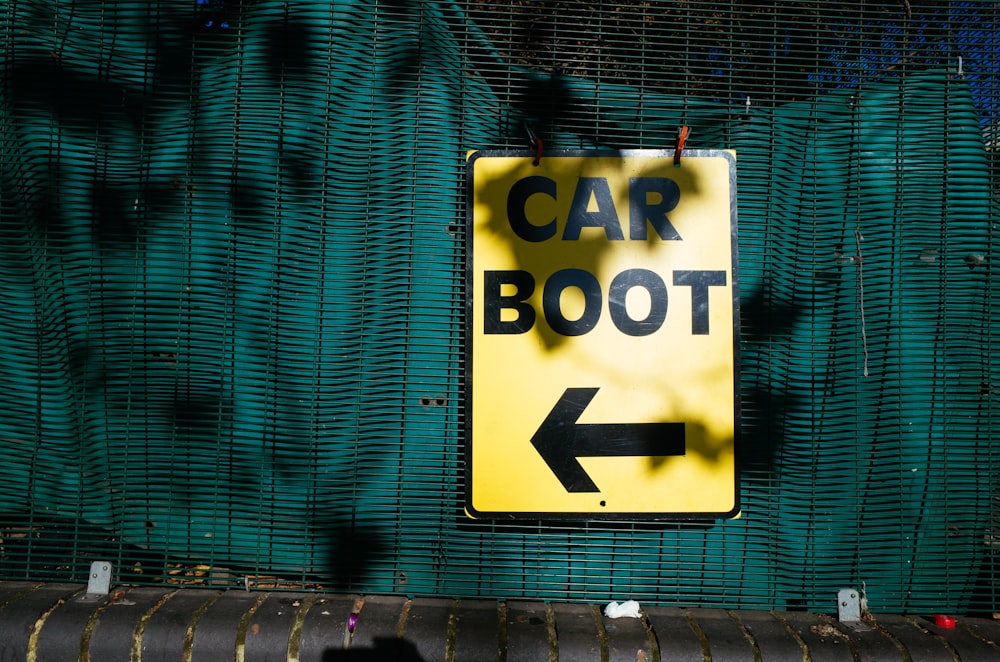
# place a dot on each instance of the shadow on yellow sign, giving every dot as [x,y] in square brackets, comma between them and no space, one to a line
[601,334]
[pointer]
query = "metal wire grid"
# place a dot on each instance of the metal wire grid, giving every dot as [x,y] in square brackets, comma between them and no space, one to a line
[233,267]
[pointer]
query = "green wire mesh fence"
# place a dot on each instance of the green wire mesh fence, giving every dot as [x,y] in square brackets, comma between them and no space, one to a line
[233,270]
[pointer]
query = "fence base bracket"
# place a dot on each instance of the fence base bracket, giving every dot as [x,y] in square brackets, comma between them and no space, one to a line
[98,582]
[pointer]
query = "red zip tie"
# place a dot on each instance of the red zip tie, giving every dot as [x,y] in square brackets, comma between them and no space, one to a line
[538,151]
[682,134]
[536,144]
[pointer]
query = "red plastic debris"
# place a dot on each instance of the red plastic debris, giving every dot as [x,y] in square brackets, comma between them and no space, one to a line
[943,621]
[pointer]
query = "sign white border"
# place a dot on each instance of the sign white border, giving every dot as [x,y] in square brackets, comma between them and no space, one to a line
[471,300]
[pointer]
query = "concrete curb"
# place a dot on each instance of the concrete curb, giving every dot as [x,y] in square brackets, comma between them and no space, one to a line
[58,622]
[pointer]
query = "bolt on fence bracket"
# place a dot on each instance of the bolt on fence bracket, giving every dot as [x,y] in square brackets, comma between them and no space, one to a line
[848,606]
[99,581]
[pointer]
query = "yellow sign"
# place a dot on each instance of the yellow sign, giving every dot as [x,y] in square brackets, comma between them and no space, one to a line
[601,335]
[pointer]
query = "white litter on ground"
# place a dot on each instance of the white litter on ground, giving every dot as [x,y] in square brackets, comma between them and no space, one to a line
[627,609]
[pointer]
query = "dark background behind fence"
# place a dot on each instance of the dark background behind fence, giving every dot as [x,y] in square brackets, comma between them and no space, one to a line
[232,274]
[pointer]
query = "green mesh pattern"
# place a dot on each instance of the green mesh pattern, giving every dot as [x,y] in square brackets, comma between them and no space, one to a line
[233,269]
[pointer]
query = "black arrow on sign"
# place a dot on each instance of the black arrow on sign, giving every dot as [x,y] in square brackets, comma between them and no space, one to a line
[560,440]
